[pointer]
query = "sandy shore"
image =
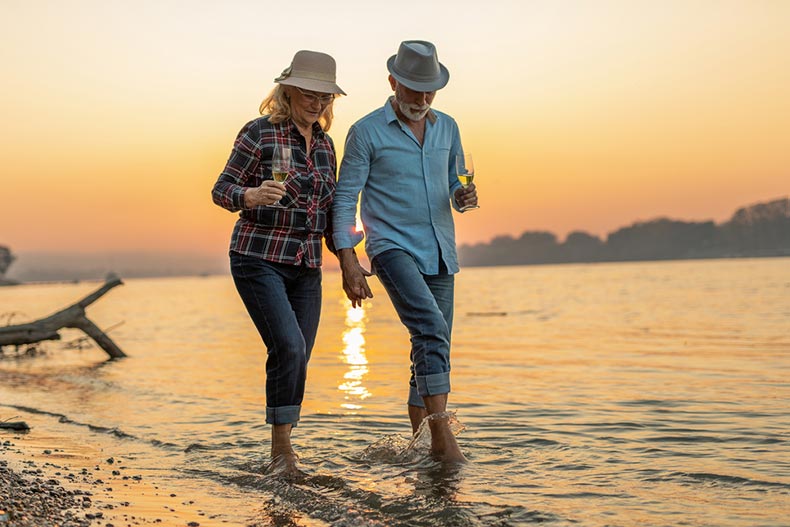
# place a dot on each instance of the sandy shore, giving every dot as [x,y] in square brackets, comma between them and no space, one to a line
[54,482]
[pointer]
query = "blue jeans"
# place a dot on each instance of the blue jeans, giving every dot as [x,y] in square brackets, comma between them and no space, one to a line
[424,304]
[284,302]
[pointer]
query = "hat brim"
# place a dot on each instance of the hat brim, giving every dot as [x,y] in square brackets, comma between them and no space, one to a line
[433,85]
[312,85]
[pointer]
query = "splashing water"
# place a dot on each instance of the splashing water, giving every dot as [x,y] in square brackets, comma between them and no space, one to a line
[396,449]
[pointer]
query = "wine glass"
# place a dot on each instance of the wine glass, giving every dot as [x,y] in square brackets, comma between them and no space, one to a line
[465,169]
[282,162]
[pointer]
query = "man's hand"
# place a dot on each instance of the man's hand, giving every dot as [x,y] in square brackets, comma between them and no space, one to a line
[355,283]
[466,197]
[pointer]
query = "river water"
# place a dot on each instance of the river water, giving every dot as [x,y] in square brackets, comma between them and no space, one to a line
[614,394]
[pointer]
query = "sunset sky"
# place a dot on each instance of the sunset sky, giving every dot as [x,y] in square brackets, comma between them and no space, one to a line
[117,116]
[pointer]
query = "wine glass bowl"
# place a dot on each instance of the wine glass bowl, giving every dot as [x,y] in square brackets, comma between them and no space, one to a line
[465,170]
[282,163]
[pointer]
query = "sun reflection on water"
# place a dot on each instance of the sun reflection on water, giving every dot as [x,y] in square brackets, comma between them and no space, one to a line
[354,356]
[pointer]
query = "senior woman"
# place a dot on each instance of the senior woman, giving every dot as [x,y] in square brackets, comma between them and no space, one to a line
[275,248]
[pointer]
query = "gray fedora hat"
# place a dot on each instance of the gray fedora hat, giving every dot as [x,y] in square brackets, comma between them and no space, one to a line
[311,70]
[417,66]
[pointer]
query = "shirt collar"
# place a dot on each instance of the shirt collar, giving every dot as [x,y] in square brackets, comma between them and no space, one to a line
[290,126]
[318,132]
[389,112]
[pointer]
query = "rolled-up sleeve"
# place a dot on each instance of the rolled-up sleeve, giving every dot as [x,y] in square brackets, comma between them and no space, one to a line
[354,171]
[228,191]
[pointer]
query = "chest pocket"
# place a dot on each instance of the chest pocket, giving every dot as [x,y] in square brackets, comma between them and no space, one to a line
[325,190]
[293,189]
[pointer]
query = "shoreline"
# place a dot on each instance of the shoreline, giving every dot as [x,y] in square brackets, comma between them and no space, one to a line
[48,480]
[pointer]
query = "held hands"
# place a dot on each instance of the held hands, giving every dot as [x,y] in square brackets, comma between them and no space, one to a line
[466,197]
[355,283]
[268,193]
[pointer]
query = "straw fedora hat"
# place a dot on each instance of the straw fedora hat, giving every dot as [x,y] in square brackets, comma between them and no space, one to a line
[417,66]
[311,70]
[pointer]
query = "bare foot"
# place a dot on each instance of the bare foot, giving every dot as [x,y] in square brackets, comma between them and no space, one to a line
[284,465]
[284,461]
[444,447]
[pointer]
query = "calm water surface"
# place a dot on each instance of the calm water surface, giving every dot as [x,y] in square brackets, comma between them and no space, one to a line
[617,394]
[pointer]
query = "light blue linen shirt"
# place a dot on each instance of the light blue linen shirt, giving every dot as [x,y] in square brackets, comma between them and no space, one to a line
[405,187]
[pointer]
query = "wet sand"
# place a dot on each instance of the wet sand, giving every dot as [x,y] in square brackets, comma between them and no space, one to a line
[48,481]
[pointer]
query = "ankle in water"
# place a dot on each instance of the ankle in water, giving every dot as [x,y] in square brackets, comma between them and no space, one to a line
[440,416]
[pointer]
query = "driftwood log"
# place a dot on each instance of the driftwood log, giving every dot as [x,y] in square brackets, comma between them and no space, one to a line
[19,426]
[71,317]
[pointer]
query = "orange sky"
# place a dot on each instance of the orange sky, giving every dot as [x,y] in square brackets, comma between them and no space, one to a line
[118,116]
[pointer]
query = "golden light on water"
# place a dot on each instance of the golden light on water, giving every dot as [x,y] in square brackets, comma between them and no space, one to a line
[354,356]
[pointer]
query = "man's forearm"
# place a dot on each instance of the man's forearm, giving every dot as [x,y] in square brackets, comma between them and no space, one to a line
[347,258]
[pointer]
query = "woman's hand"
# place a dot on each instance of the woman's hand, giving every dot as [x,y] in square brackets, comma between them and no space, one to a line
[268,193]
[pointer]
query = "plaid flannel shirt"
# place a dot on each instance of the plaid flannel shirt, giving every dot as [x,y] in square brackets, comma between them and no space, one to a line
[291,234]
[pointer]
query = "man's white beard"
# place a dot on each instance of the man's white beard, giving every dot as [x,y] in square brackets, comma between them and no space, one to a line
[413,112]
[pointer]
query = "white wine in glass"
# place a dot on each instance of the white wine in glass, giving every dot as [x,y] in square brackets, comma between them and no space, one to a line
[282,162]
[465,170]
[466,179]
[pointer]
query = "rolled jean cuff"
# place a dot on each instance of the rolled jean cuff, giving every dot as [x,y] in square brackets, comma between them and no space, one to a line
[414,397]
[283,415]
[434,384]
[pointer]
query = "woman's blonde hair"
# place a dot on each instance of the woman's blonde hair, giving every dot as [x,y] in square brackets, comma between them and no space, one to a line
[277,105]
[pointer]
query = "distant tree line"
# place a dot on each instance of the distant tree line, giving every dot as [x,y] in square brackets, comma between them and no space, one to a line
[754,231]
[6,258]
